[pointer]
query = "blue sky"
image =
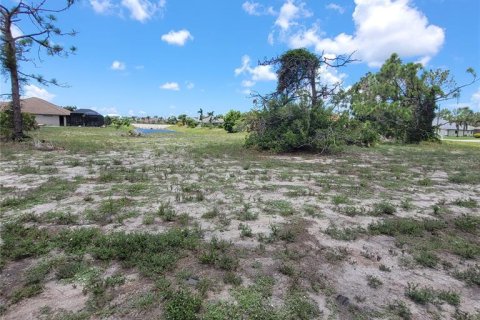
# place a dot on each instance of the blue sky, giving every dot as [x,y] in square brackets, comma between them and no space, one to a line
[139,57]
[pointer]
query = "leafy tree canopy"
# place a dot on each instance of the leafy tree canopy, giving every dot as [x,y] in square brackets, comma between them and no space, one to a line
[402,99]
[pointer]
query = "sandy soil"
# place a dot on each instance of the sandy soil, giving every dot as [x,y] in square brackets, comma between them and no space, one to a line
[304,187]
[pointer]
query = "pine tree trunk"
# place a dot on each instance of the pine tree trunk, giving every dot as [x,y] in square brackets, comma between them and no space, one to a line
[314,90]
[12,66]
[17,111]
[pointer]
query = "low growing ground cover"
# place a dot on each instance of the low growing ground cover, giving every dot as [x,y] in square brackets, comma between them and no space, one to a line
[190,225]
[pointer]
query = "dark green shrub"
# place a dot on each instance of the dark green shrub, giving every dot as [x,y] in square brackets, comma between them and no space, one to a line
[190,123]
[420,295]
[119,122]
[427,259]
[346,234]
[182,305]
[219,253]
[468,223]
[230,118]
[290,127]
[78,240]
[383,207]
[450,297]
[398,226]
[6,123]
[400,309]
[69,268]
[374,282]
[26,292]
[21,242]
[361,133]
[232,278]
[470,276]
[299,306]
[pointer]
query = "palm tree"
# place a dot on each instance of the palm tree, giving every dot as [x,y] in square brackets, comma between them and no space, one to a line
[201,113]
[210,115]
[461,117]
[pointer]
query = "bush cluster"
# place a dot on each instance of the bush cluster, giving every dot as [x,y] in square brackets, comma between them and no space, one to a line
[121,122]
[298,126]
[6,123]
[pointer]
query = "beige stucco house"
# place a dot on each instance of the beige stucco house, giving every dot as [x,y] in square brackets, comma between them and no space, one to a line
[46,113]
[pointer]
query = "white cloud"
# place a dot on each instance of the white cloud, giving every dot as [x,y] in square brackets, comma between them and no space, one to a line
[258,73]
[31,90]
[271,11]
[140,10]
[178,38]
[335,7]
[190,85]
[263,73]
[118,65]
[251,7]
[244,67]
[330,76]
[257,9]
[424,60]
[143,10]
[475,100]
[170,86]
[271,39]
[289,12]
[109,111]
[16,32]
[248,83]
[381,28]
[305,38]
[101,6]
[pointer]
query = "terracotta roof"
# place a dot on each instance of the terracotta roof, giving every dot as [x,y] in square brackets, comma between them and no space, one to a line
[38,106]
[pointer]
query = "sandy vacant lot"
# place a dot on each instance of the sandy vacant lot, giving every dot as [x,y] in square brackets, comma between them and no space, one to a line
[192,226]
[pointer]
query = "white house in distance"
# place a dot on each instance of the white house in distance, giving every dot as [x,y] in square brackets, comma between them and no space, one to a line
[46,113]
[448,129]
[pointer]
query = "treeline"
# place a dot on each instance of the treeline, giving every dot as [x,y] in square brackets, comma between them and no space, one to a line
[209,120]
[461,117]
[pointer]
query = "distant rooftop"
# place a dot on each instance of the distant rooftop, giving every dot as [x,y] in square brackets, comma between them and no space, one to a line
[37,106]
[88,112]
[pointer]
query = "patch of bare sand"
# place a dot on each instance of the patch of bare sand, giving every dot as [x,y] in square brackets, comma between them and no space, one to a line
[365,257]
[55,295]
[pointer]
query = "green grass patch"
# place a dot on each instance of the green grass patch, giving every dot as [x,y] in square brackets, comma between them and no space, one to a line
[281,207]
[22,242]
[53,189]
[471,275]
[383,208]
[466,203]
[345,234]
[468,223]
